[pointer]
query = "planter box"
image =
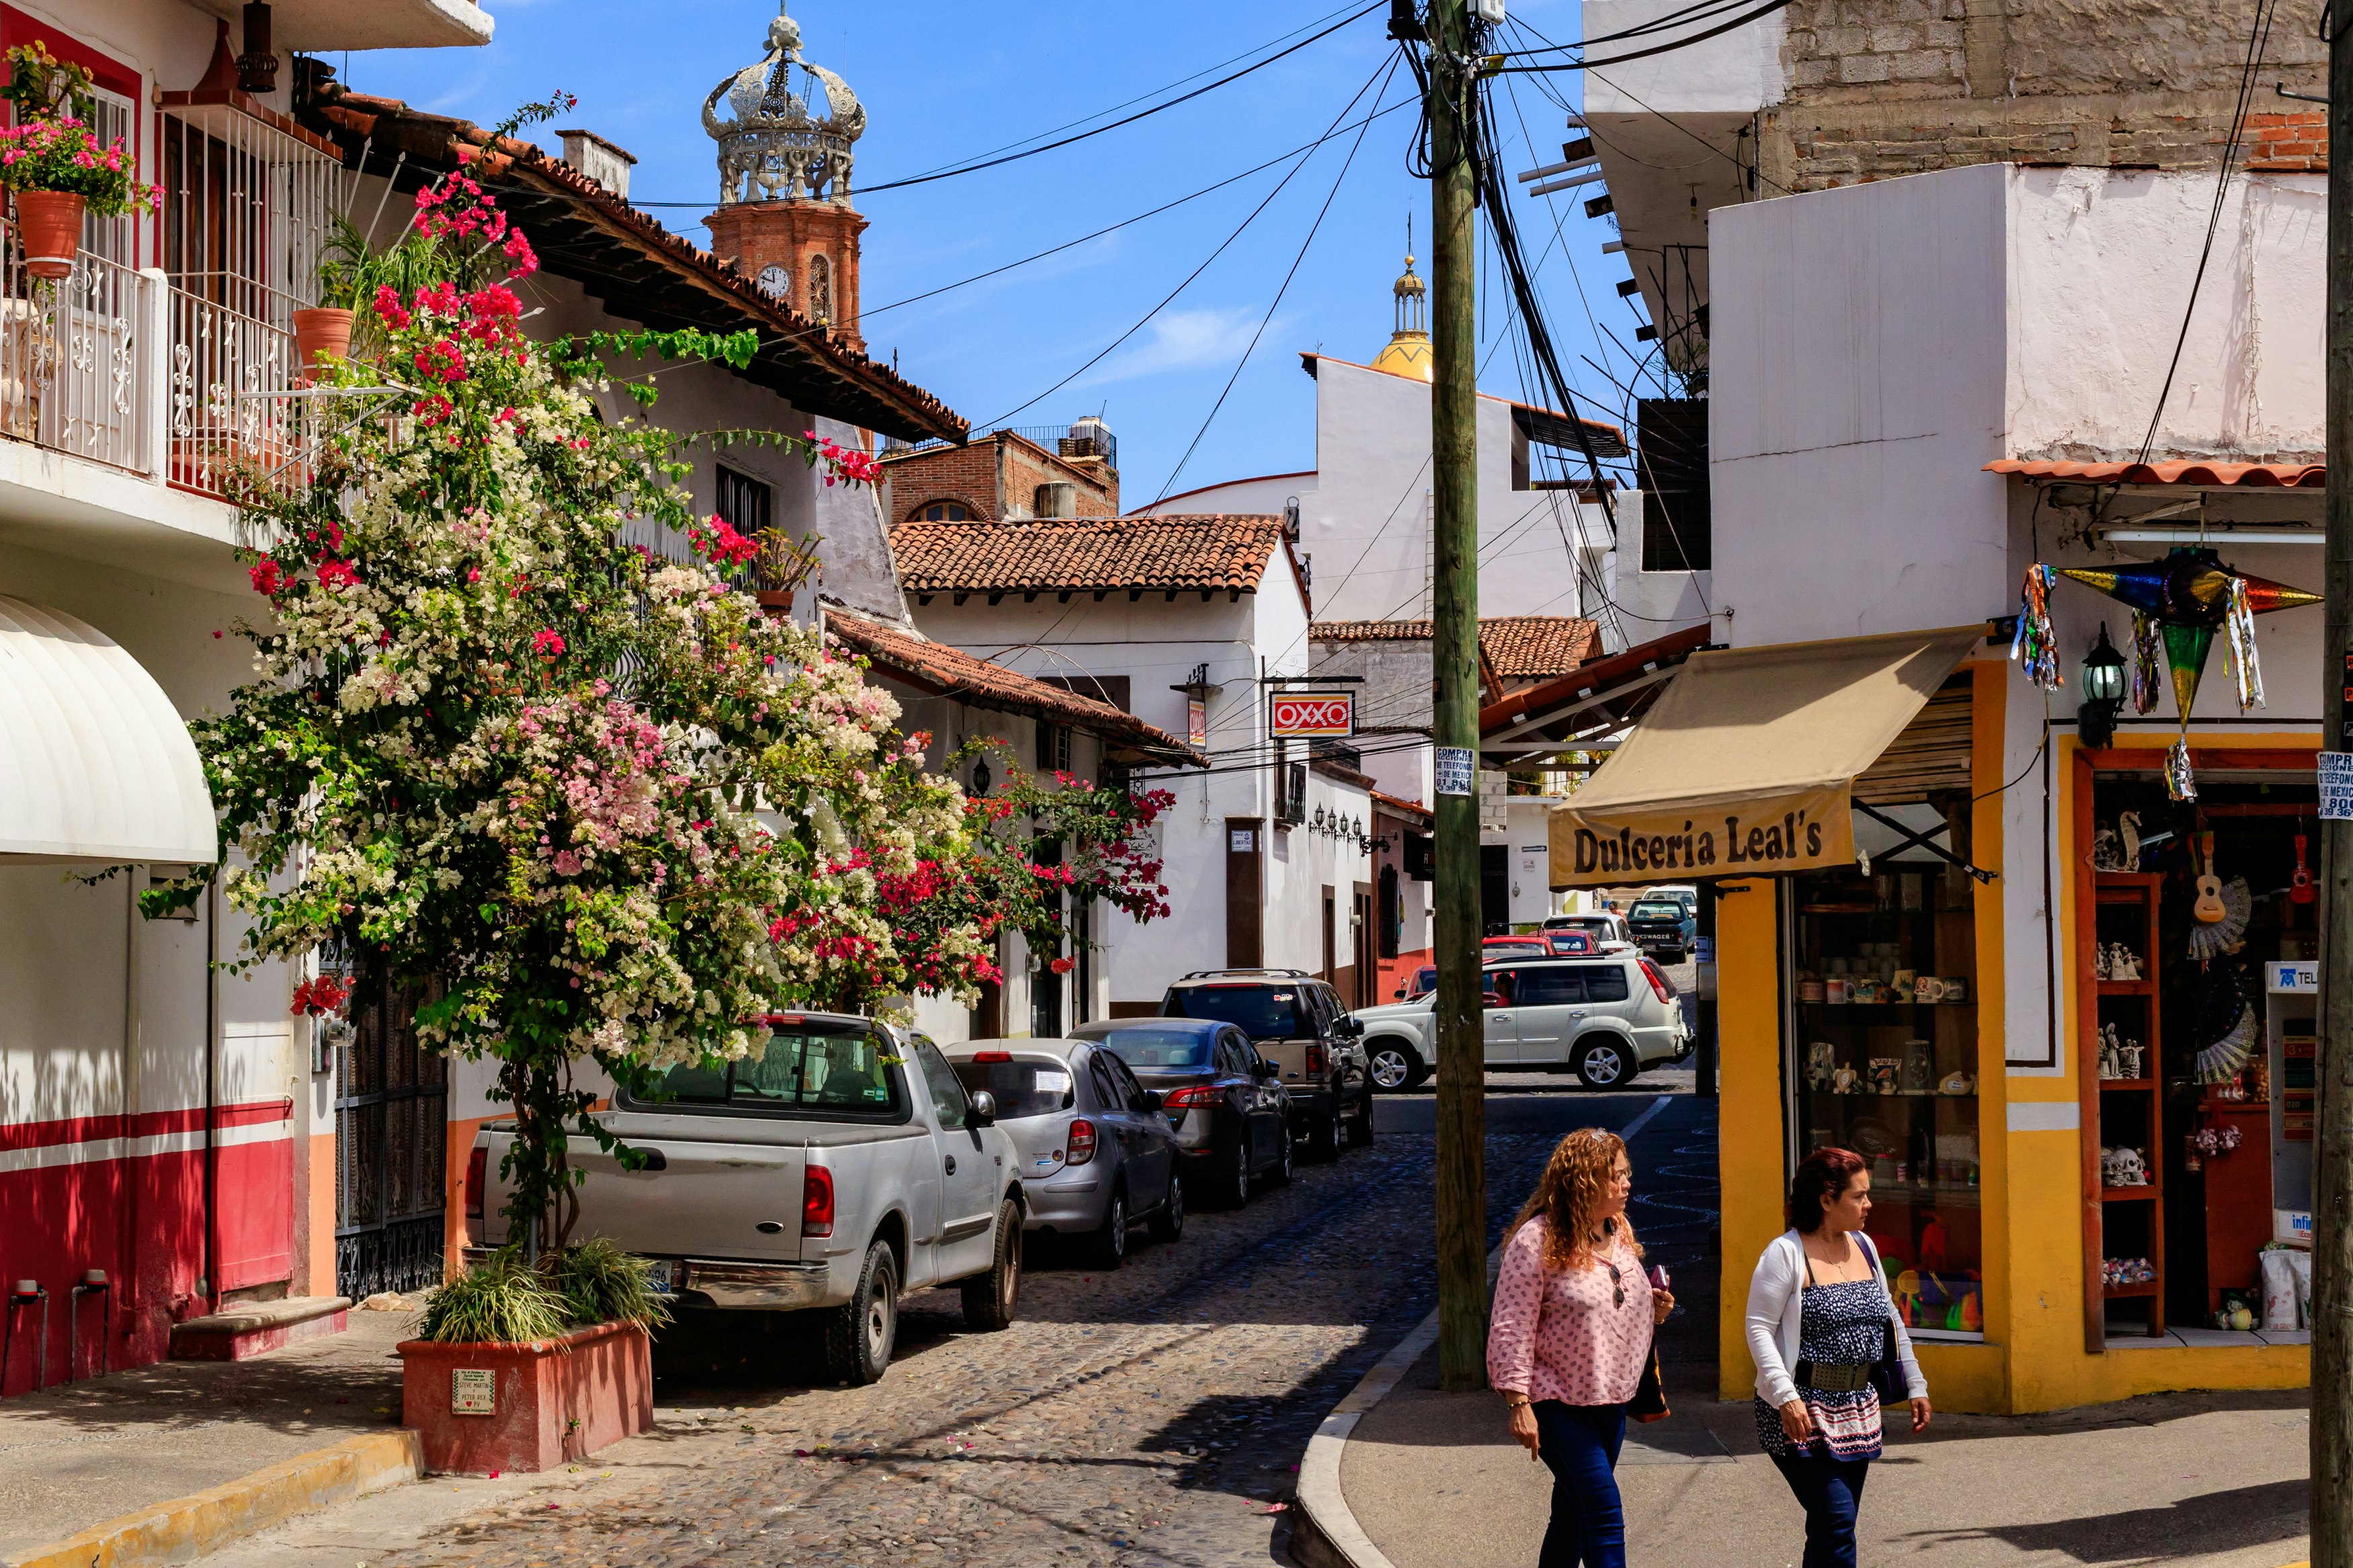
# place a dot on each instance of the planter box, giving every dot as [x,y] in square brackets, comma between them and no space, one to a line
[484,1407]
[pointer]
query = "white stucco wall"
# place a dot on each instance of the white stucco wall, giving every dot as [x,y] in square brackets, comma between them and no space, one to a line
[1735,72]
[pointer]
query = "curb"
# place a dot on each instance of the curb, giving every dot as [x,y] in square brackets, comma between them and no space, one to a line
[192,1526]
[1324,1528]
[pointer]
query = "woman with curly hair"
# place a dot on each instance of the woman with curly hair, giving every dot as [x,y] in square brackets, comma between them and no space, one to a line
[1569,1338]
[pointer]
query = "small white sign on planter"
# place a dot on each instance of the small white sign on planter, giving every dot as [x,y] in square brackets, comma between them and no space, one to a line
[473,1390]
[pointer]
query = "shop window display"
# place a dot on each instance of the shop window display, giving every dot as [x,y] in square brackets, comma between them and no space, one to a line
[2206,922]
[1882,1035]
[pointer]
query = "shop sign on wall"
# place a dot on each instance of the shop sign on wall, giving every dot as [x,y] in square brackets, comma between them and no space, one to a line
[473,1390]
[1312,715]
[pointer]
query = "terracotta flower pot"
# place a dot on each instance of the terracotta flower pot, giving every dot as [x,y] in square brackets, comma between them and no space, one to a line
[777,602]
[48,225]
[321,335]
[482,1407]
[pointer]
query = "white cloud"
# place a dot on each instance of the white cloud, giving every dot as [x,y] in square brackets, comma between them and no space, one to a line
[1184,339]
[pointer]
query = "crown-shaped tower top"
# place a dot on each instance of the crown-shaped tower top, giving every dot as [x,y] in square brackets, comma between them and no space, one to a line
[773,147]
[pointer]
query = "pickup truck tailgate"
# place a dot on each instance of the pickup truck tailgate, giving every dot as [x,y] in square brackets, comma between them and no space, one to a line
[715,1190]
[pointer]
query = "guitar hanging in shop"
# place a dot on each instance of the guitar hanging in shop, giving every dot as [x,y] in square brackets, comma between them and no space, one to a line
[2208,908]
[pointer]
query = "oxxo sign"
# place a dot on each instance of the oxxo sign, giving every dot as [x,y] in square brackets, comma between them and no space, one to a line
[1312,715]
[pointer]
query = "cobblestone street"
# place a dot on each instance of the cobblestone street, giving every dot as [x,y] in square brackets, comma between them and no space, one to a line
[1153,1414]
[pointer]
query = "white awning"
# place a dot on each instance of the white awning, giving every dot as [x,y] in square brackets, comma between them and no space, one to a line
[95,762]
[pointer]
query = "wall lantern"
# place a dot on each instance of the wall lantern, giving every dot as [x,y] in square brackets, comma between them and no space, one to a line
[981,777]
[2104,691]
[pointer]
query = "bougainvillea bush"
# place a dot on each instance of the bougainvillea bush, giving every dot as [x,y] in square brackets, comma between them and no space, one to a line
[595,799]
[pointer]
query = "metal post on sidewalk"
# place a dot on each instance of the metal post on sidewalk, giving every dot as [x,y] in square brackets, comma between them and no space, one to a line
[1461,1178]
[2332,1209]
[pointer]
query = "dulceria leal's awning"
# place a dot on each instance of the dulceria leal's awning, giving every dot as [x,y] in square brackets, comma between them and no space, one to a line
[1745,764]
[96,764]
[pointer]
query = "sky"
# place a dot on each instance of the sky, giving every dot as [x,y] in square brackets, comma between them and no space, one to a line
[943,83]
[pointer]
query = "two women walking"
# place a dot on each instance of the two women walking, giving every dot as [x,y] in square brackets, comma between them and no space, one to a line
[1570,1338]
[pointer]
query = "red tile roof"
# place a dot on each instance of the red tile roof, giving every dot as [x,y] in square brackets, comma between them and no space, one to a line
[1515,647]
[1046,555]
[1412,808]
[1536,647]
[943,670]
[628,261]
[2248,475]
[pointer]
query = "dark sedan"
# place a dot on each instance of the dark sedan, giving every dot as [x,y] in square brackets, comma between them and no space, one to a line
[1232,1116]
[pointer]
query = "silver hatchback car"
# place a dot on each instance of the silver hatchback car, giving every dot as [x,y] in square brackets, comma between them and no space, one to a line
[1096,1151]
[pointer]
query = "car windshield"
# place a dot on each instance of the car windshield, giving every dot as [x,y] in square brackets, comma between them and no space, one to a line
[1262,1011]
[1159,1050]
[803,1067]
[1021,1087]
[1669,911]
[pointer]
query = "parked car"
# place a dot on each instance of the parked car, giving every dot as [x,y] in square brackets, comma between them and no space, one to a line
[846,1166]
[1494,947]
[1297,1022]
[1096,1154]
[1571,945]
[1663,926]
[1420,982]
[1607,928]
[1229,1112]
[1604,1018]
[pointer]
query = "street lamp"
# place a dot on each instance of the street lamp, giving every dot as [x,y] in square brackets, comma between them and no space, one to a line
[2104,691]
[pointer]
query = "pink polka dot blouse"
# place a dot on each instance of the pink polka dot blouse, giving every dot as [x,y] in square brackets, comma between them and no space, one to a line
[1562,1333]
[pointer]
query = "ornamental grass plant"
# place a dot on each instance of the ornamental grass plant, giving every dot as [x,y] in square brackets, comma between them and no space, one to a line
[503,1300]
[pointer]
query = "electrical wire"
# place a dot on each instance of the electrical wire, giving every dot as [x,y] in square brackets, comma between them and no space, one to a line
[1741,20]
[1223,244]
[975,168]
[1252,347]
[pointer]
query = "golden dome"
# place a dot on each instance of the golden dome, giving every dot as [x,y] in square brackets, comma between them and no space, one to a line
[1408,354]
[1408,286]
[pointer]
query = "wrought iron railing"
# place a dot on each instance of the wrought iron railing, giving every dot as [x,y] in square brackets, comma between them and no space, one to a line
[1055,438]
[236,417]
[70,358]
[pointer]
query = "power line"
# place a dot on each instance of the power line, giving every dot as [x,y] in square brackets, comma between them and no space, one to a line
[1684,43]
[1252,347]
[1129,119]
[1222,247]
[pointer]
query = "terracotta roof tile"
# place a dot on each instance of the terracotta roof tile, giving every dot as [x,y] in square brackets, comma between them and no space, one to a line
[1041,555]
[950,671]
[2250,476]
[1517,647]
[1536,647]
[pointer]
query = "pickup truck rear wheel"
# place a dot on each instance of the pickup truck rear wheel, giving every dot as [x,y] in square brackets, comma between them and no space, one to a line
[990,1298]
[1360,1129]
[858,1334]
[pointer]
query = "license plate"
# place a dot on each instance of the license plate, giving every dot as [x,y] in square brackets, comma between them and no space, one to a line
[662,1278]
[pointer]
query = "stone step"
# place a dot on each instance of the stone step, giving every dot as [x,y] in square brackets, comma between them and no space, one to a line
[250,1328]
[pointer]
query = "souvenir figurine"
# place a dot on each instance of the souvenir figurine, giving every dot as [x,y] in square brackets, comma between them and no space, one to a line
[2100,962]
[1883,1074]
[1919,1067]
[2129,1060]
[2123,1167]
[2111,1062]
[1821,1062]
[2123,962]
[1844,1080]
[1957,1083]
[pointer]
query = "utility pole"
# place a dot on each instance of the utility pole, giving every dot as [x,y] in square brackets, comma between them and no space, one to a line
[2332,1210]
[1461,1175]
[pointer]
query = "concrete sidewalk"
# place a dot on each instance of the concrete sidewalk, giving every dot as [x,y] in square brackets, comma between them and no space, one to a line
[79,1454]
[2214,1480]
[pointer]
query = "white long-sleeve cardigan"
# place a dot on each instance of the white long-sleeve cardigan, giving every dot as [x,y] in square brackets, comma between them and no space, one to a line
[1776,1296]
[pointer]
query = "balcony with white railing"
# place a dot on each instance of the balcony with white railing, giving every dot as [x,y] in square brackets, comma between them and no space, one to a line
[131,370]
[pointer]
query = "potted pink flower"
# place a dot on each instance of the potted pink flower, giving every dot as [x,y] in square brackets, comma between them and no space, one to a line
[54,164]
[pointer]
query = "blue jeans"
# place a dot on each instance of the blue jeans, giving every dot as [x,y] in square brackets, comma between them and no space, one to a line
[1830,1490]
[1578,1443]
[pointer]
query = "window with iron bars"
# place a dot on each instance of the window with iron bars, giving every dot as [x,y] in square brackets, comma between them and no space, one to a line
[1053,748]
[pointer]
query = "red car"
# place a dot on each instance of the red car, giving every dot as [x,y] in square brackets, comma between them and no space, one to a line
[1497,947]
[1572,944]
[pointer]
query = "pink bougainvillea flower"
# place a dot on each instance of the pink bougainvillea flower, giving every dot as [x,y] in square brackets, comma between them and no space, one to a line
[547,643]
[269,577]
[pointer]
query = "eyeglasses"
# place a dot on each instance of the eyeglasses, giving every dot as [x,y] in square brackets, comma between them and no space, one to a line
[1616,1283]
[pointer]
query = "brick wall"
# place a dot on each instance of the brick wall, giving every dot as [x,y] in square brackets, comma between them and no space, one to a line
[972,474]
[1882,87]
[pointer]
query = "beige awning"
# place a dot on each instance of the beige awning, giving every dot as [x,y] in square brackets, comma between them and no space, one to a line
[1745,764]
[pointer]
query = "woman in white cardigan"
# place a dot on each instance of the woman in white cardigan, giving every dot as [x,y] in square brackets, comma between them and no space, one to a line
[1819,1320]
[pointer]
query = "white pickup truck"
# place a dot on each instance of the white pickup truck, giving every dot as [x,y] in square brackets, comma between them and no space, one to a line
[845,1166]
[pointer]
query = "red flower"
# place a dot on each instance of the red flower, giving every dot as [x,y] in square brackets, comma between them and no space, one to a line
[547,643]
[1060,966]
[268,577]
[713,540]
[389,310]
[334,574]
[320,996]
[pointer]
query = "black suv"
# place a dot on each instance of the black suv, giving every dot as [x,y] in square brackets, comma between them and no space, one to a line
[1299,1024]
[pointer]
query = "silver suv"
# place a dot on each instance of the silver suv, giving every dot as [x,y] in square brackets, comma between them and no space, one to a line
[1605,1019]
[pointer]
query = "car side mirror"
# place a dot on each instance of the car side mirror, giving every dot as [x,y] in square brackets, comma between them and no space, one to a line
[1349,1027]
[1148,1102]
[1266,1069]
[984,1108]
[1399,994]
